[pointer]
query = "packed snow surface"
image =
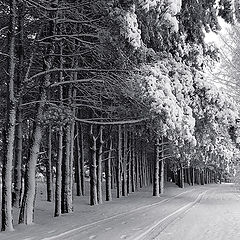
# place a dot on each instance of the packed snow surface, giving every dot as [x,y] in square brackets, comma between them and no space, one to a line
[197,212]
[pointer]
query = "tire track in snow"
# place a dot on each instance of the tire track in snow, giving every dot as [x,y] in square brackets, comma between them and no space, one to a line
[153,227]
[83,227]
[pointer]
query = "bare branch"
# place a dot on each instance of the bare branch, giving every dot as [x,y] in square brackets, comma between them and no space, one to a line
[76,81]
[68,36]
[77,70]
[4,54]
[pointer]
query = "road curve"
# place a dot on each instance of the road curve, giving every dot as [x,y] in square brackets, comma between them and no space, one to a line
[141,223]
[215,217]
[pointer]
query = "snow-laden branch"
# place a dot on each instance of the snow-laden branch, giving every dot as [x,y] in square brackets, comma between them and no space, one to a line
[112,123]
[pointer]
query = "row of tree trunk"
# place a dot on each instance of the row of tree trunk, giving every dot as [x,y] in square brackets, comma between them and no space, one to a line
[126,167]
[192,176]
[123,156]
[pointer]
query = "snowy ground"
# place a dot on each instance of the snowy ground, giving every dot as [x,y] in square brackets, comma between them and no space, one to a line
[201,212]
[215,217]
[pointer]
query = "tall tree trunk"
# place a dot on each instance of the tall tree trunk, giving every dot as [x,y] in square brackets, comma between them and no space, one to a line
[93,168]
[133,172]
[71,161]
[58,183]
[129,163]
[189,176]
[19,131]
[113,178]
[193,175]
[49,166]
[199,176]
[124,163]
[202,177]
[108,172]
[67,201]
[8,145]
[207,176]
[58,187]
[161,173]
[156,169]
[18,159]
[82,173]
[72,97]
[144,177]
[119,162]
[99,165]
[181,175]
[77,162]
[27,207]
[185,175]
[137,171]
[140,166]
[66,196]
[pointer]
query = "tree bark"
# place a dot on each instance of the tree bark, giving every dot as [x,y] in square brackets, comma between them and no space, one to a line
[144,169]
[113,178]
[189,175]
[27,207]
[133,167]
[124,163]
[202,177]
[72,97]
[77,162]
[161,166]
[129,163]
[30,182]
[140,166]
[108,177]
[161,173]
[19,131]
[49,166]
[181,174]
[67,170]
[99,165]
[193,175]
[66,196]
[156,169]
[58,188]
[82,173]
[93,169]
[119,162]
[18,159]
[199,177]
[59,178]
[137,171]
[8,146]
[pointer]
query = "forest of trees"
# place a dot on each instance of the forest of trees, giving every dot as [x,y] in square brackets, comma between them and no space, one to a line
[113,87]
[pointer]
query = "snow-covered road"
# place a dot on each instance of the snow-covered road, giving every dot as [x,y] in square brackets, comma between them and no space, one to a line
[201,212]
[215,217]
[209,212]
[137,223]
